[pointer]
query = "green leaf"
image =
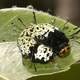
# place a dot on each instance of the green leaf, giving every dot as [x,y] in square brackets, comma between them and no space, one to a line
[11,65]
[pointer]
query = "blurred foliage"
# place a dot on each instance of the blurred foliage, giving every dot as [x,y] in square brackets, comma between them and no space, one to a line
[72,74]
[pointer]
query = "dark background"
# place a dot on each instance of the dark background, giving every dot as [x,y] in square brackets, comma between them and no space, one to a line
[44,5]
